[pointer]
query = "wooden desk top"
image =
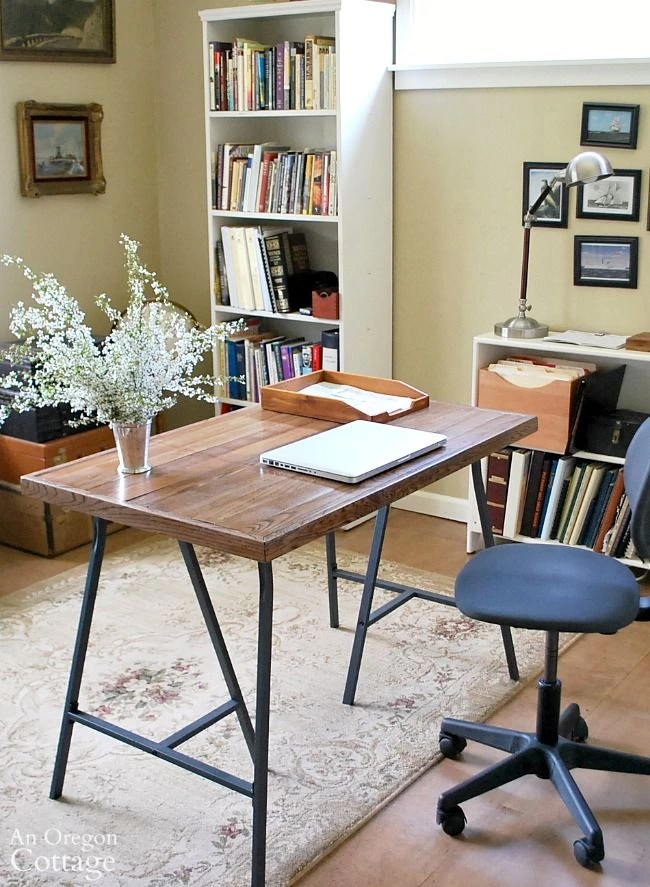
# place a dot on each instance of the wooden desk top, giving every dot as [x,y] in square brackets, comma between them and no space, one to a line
[207,486]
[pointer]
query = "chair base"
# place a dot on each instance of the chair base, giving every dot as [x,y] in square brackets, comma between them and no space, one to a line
[546,759]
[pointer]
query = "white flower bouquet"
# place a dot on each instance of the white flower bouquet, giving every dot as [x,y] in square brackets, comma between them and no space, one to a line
[140,368]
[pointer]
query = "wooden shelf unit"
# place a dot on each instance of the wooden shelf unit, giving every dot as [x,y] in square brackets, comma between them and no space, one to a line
[635,395]
[357,243]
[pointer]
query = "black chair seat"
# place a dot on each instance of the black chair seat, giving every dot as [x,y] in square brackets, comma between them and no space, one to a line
[548,587]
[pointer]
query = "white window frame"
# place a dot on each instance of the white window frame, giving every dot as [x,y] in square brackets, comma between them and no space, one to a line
[606,72]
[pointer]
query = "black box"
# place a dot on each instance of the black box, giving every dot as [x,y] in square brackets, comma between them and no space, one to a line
[610,433]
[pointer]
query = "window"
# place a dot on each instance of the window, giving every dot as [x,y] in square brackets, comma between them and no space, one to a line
[506,41]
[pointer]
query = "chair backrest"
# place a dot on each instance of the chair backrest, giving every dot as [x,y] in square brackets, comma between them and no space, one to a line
[637,487]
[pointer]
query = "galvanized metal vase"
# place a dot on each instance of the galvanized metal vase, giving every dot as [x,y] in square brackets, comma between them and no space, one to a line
[132,442]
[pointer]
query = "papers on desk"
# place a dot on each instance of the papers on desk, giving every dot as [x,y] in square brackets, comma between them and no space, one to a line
[371,403]
[597,340]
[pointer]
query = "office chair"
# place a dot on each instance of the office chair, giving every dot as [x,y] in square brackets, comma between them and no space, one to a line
[554,588]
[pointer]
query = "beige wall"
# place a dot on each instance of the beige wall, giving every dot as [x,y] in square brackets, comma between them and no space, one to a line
[75,236]
[458,173]
[458,234]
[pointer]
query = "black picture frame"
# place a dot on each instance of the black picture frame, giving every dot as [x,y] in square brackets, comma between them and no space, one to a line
[605,261]
[616,197]
[613,126]
[58,31]
[554,212]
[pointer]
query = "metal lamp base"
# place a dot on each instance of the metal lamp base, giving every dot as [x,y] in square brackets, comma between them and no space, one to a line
[521,328]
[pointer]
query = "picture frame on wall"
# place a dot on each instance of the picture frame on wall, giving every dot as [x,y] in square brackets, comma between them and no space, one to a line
[614,126]
[616,197]
[605,261]
[59,149]
[554,212]
[57,31]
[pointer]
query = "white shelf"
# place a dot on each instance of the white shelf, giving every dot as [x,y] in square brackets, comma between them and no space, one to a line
[635,395]
[357,243]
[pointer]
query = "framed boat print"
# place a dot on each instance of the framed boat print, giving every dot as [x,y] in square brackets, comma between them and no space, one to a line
[605,261]
[616,197]
[57,31]
[59,148]
[614,126]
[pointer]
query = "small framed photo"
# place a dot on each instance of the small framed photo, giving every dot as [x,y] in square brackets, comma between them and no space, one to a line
[60,149]
[617,197]
[554,212]
[57,31]
[615,126]
[605,261]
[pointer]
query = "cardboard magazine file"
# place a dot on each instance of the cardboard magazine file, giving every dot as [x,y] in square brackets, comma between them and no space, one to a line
[553,403]
[285,397]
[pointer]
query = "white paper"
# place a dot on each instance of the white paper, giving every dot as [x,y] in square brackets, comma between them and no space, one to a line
[597,340]
[369,402]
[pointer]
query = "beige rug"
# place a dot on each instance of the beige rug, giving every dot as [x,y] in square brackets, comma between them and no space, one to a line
[127,818]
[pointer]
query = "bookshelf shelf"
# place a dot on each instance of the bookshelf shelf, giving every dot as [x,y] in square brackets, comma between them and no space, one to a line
[355,243]
[634,395]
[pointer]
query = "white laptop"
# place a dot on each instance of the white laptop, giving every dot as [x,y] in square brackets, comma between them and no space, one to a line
[353,451]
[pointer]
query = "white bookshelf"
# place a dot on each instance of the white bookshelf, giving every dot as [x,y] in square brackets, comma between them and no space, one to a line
[635,395]
[357,243]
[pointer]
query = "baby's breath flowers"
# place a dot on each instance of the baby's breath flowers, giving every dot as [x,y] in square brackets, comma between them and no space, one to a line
[144,364]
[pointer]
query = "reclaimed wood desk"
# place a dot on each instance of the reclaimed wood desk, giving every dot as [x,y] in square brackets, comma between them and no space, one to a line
[208,488]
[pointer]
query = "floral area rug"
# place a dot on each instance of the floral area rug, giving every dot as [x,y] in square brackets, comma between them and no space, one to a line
[127,818]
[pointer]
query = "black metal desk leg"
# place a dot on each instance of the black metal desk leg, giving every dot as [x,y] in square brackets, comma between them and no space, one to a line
[332,588]
[366,604]
[262,705]
[488,539]
[218,642]
[79,656]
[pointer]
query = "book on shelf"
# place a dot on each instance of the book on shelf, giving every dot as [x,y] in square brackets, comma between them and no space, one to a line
[330,342]
[611,508]
[519,462]
[591,482]
[547,464]
[533,480]
[496,488]
[593,521]
[570,500]
[616,532]
[550,477]
[312,69]
[557,491]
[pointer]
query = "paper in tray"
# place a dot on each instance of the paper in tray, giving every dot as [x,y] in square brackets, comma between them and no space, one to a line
[287,397]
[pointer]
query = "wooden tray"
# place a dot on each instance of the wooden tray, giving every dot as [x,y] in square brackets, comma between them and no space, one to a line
[285,397]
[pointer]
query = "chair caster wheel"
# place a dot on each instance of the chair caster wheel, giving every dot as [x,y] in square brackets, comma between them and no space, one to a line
[586,853]
[451,746]
[580,731]
[452,821]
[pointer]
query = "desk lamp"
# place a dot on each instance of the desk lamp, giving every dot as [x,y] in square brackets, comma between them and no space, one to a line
[586,167]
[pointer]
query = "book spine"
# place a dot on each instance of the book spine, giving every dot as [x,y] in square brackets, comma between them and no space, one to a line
[278,268]
[496,487]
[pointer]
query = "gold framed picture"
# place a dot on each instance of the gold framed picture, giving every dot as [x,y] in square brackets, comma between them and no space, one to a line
[57,31]
[60,149]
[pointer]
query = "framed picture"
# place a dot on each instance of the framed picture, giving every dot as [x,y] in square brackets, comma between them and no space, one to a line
[609,125]
[605,261]
[57,31]
[617,197]
[60,149]
[554,212]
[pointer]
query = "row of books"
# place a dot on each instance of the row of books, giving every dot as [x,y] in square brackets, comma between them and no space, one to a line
[254,357]
[563,498]
[257,266]
[245,75]
[274,179]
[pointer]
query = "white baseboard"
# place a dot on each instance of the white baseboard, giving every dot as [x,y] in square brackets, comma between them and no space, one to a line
[435,504]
